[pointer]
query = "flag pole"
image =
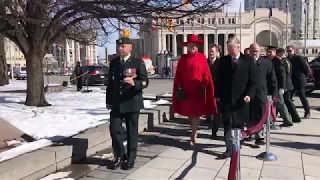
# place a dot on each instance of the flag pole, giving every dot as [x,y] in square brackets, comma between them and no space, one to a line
[216,31]
[240,16]
[254,21]
[270,22]
[287,9]
[306,5]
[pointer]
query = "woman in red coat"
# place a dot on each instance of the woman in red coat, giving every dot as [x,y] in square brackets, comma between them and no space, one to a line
[193,94]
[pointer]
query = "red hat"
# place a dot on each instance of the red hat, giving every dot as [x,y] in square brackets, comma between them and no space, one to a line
[193,39]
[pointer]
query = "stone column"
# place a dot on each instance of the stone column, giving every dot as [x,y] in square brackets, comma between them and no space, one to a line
[164,42]
[184,48]
[174,44]
[205,46]
[225,43]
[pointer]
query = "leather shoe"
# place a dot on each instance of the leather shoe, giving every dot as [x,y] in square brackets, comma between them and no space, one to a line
[307,115]
[127,165]
[116,163]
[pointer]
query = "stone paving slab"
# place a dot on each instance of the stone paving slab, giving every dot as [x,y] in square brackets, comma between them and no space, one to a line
[166,154]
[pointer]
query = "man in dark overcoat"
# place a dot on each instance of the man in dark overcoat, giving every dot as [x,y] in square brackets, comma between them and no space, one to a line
[235,87]
[289,87]
[213,57]
[127,77]
[300,72]
[266,85]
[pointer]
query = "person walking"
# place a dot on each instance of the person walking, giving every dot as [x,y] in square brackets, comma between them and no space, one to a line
[193,90]
[214,120]
[300,72]
[126,79]
[235,87]
[78,75]
[266,85]
[289,88]
[279,66]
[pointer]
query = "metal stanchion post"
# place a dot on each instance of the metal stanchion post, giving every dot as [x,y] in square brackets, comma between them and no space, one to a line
[267,155]
[236,137]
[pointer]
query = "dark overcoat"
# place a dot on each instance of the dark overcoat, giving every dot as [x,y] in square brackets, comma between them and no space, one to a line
[233,83]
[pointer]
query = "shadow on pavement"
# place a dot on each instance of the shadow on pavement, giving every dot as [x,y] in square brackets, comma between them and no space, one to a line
[297,145]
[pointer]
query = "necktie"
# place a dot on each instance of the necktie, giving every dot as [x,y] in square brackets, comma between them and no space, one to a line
[122,61]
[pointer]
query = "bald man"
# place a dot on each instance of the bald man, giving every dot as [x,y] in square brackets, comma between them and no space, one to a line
[266,85]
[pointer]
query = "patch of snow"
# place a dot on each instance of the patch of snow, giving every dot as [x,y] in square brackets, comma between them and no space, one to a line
[58,176]
[70,113]
[166,95]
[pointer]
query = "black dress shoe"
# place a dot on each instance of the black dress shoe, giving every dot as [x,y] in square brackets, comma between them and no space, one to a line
[116,163]
[307,115]
[286,125]
[127,165]
[260,142]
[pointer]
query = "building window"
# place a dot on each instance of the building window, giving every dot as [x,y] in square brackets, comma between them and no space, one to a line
[219,21]
[202,20]
[233,20]
[223,21]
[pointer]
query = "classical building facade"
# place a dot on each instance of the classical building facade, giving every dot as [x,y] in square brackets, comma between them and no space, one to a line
[298,17]
[13,54]
[67,52]
[217,28]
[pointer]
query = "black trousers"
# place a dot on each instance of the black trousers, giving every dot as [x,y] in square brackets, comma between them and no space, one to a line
[79,83]
[215,121]
[301,92]
[228,124]
[290,106]
[119,134]
[257,110]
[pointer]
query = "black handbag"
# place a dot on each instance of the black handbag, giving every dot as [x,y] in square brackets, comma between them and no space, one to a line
[180,94]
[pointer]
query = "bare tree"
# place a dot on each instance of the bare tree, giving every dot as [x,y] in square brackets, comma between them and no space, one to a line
[35,25]
[3,64]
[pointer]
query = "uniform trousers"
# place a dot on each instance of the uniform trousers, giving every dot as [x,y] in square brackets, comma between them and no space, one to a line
[119,134]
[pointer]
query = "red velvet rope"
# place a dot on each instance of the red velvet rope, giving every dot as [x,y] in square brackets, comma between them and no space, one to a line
[259,126]
[233,164]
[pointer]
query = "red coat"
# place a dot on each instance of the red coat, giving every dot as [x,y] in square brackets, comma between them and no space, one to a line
[192,74]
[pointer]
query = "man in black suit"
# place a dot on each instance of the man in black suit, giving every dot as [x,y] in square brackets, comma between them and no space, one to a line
[127,77]
[214,120]
[266,85]
[279,67]
[289,87]
[300,70]
[235,87]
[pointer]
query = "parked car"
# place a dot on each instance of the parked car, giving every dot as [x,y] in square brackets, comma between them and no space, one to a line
[315,70]
[20,72]
[95,75]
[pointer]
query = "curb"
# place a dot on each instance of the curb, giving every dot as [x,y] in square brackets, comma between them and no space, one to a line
[39,163]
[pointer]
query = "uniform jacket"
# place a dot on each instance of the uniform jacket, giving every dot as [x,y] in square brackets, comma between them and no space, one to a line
[279,67]
[233,83]
[120,95]
[288,67]
[266,80]
[300,70]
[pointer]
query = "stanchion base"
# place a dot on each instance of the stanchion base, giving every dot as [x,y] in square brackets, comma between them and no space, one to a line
[275,127]
[267,156]
[86,91]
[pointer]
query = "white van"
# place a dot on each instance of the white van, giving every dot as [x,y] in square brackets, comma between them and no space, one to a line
[20,72]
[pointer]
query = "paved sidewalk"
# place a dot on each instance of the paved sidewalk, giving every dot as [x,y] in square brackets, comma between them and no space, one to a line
[166,154]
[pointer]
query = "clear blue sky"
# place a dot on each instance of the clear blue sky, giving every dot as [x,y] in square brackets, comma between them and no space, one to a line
[233,7]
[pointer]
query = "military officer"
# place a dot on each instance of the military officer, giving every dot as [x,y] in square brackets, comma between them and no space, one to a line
[127,77]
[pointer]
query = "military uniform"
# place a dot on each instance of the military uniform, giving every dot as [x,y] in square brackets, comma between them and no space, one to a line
[126,101]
